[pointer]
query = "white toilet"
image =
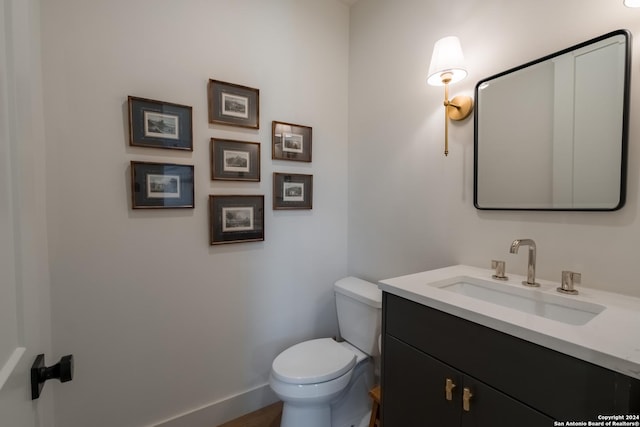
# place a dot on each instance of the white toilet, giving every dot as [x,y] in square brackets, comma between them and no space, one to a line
[325,383]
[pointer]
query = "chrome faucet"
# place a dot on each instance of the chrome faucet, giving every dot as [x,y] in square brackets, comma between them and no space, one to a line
[531,267]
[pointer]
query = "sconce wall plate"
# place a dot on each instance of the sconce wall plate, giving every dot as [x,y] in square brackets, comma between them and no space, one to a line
[462,107]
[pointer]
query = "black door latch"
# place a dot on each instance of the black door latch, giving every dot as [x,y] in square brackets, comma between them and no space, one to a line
[63,370]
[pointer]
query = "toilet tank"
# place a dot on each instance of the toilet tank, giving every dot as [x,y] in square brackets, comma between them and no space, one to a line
[359,307]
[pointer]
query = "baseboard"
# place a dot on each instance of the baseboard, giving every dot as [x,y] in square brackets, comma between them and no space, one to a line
[224,410]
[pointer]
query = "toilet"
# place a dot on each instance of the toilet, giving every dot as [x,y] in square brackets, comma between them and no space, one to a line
[324,382]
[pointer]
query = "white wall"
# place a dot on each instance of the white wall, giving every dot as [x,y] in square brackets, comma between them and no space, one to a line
[161,323]
[411,208]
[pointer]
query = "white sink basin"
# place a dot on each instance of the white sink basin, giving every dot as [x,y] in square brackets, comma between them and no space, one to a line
[531,301]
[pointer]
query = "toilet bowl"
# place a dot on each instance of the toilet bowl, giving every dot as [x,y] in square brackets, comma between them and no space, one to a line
[323,382]
[311,376]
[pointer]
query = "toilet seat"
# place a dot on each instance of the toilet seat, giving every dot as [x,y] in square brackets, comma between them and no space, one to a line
[313,361]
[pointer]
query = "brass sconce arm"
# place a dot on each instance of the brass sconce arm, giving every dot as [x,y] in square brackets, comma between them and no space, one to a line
[457,108]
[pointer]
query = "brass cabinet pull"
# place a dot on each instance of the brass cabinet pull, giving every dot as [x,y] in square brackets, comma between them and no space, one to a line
[466,399]
[448,389]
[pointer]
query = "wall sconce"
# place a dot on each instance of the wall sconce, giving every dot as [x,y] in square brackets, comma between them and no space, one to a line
[447,67]
[632,3]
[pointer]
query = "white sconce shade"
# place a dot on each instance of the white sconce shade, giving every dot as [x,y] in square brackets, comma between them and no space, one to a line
[447,57]
[632,3]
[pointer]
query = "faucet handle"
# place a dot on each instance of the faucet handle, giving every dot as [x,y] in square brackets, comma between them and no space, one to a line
[499,267]
[567,282]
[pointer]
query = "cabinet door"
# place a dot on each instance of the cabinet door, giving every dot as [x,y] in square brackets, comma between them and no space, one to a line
[414,394]
[413,389]
[490,408]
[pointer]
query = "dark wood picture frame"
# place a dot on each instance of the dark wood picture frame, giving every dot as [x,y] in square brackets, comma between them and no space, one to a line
[161,185]
[233,160]
[291,142]
[292,191]
[236,219]
[159,124]
[233,105]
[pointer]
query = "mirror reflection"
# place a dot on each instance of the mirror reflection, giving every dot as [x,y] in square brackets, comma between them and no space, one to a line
[552,134]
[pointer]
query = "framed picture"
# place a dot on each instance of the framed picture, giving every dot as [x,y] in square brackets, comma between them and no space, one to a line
[233,105]
[159,124]
[234,219]
[235,160]
[161,185]
[290,142]
[292,191]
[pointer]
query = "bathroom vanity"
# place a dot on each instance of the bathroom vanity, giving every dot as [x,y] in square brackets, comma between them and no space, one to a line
[463,349]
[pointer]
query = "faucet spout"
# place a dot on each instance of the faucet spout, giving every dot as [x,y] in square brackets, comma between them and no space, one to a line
[531,265]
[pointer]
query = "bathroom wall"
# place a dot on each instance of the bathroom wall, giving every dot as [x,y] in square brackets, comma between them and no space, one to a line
[410,207]
[160,323]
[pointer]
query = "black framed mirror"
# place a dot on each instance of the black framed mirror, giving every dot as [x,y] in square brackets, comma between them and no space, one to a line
[552,134]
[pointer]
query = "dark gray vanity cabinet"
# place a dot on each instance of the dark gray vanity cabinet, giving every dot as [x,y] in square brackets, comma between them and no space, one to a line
[502,380]
[414,395]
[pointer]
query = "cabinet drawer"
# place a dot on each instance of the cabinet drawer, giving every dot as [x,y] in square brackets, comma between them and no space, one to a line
[558,385]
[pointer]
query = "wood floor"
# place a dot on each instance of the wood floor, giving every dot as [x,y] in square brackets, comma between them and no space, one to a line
[268,416]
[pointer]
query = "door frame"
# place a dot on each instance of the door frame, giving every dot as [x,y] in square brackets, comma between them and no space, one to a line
[23,221]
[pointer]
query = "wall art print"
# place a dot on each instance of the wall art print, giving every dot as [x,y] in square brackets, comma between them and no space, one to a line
[292,191]
[236,219]
[290,142]
[161,185]
[158,124]
[233,105]
[235,160]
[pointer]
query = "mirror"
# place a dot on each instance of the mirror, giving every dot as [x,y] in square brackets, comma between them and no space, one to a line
[552,134]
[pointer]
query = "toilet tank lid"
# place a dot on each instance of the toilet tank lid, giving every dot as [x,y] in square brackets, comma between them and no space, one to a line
[361,290]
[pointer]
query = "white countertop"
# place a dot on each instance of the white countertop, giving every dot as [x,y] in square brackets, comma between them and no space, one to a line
[610,340]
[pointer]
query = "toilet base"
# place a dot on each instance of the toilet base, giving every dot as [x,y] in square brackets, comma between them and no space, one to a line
[351,408]
[307,416]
